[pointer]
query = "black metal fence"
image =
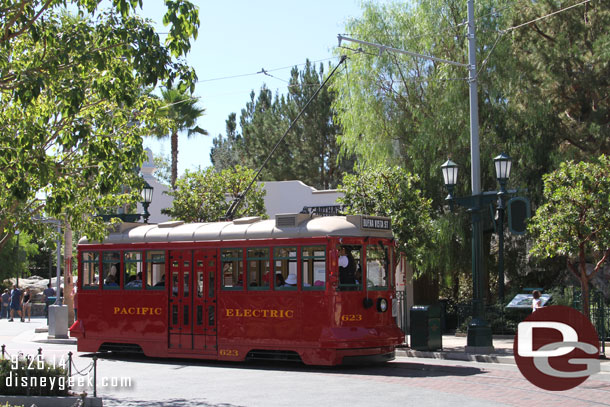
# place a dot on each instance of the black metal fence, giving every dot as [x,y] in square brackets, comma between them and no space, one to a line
[505,320]
[35,375]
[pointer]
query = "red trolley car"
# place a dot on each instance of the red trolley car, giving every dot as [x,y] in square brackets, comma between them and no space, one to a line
[318,289]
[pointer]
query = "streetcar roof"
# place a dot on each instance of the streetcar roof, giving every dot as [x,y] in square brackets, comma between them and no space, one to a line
[283,226]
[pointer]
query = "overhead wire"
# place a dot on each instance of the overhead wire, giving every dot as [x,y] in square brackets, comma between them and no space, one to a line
[501,33]
[263,71]
[545,16]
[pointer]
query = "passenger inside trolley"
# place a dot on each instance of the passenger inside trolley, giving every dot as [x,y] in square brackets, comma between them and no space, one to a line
[347,267]
[279,280]
[161,283]
[291,280]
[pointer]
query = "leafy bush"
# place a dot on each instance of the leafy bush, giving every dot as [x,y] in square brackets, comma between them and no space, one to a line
[23,377]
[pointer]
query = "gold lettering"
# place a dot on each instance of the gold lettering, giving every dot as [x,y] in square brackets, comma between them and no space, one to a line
[252,313]
[145,311]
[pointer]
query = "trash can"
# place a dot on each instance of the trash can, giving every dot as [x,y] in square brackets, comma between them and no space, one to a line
[426,327]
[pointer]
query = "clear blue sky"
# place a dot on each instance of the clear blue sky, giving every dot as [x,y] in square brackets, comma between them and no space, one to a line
[240,37]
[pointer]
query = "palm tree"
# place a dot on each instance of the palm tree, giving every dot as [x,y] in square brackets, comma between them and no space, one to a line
[182,111]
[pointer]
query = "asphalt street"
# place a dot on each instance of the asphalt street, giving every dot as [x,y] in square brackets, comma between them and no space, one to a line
[413,381]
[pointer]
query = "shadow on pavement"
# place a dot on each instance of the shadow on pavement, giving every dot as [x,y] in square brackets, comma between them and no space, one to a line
[390,369]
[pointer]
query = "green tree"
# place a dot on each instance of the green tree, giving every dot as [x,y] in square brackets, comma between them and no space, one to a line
[225,150]
[310,151]
[392,192]
[163,169]
[564,72]
[74,112]
[181,112]
[573,222]
[413,112]
[205,195]
[16,260]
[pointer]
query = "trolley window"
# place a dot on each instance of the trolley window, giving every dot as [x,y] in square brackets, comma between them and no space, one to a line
[90,270]
[155,270]
[350,268]
[313,260]
[132,263]
[285,264]
[232,269]
[111,264]
[377,261]
[258,268]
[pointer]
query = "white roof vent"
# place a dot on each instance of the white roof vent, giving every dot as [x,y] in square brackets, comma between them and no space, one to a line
[291,220]
[247,220]
[170,224]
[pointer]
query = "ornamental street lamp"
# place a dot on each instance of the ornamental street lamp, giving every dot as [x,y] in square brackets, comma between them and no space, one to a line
[503,164]
[147,193]
[479,332]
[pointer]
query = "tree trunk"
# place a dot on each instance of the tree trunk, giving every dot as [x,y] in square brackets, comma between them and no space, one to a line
[174,145]
[584,282]
[68,283]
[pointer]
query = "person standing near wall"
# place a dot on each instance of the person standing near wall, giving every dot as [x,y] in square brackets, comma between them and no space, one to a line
[536,302]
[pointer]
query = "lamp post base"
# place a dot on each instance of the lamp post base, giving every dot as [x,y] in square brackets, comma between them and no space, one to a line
[479,338]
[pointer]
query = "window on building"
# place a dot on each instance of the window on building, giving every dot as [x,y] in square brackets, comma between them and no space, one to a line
[232,269]
[285,265]
[132,263]
[111,266]
[90,264]
[313,260]
[155,270]
[259,270]
[377,264]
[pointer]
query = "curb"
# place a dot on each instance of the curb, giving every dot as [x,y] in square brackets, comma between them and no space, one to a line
[51,401]
[453,355]
[472,357]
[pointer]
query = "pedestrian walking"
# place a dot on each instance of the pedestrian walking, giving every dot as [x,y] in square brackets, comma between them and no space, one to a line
[6,301]
[15,305]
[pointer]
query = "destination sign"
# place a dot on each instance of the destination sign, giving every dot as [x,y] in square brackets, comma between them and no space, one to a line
[376,223]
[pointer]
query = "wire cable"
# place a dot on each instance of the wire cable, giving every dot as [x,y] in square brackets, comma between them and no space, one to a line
[545,16]
[234,205]
[264,71]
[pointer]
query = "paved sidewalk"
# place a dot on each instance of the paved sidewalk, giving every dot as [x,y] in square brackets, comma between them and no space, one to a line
[454,348]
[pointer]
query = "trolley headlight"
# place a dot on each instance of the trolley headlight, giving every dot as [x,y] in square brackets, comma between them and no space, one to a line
[382,305]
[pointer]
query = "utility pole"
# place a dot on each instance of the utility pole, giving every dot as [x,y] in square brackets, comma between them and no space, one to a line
[479,331]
